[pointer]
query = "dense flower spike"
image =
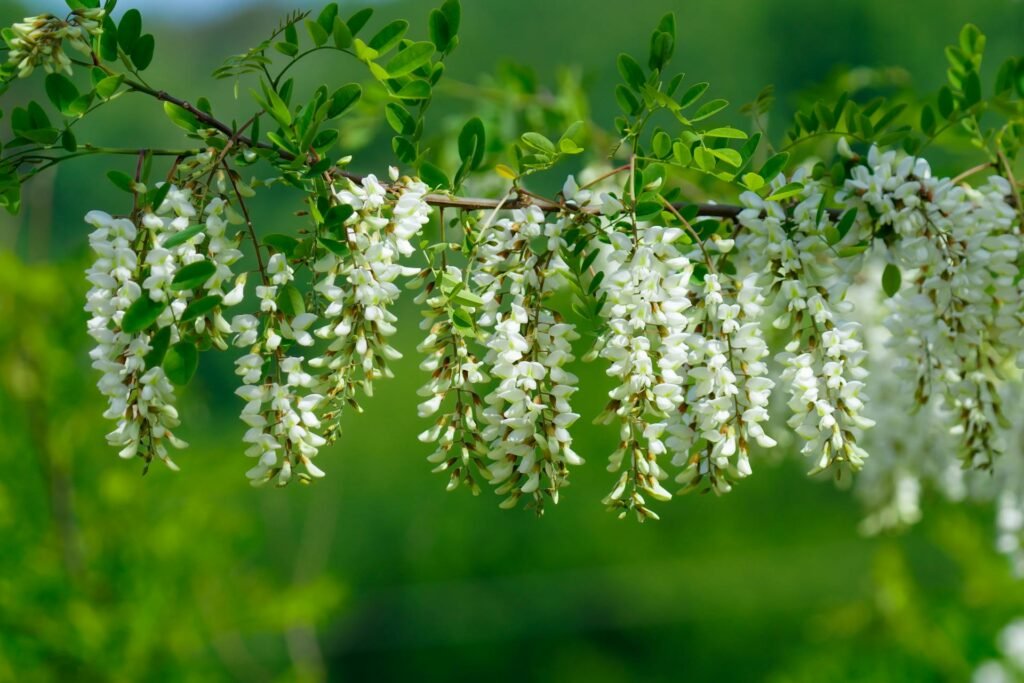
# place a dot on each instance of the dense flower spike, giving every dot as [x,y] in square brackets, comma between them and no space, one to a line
[357,317]
[823,362]
[39,41]
[958,325]
[528,414]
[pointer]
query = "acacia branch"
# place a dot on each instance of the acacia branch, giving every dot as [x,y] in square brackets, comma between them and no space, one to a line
[518,201]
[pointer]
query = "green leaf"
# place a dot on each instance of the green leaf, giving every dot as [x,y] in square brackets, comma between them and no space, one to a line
[410,59]
[181,363]
[286,244]
[61,91]
[193,275]
[129,30]
[726,132]
[947,105]
[705,159]
[928,120]
[709,109]
[434,176]
[200,307]
[631,71]
[108,86]
[341,34]
[972,89]
[892,279]
[774,166]
[122,181]
[327,16]
[179,238]
[336,246]
[181,118]
[539,142]
[290,300]
[343,99]
[846,222]
[142,53]
[440,32]
[141,314]
[452,11]
[464,297]
[753,181]
[400,120]
[414,90]
[692,94]
[108,40]
[388,37]
[472,143]
[358,20]
[316,32]
[158,347]
[786,191]
[729,156]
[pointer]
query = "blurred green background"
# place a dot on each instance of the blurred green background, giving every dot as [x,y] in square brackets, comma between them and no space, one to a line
[376,573]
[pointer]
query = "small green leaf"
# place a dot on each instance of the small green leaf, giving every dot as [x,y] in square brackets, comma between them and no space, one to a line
[200,307]
[358,20]
[705,159]
[892,279]
[414,90]
[286,244]
[108,86]
[343,99]
[158,347]
[434,176]
[774,166]
[290,300]
[692,94]
[181,363]
[726,132]
[142,53]
[631,71]
[972,89]
[337,247]
[709,109]
[193,275]
[786,191]
[181,118]
[846,222]
[129,30]
[316,32]
[141,314]
[410,59]
[179,238]
[472,142]
[341,34]
[388,37]
[122,181]
[729,156]
[61,91]
[538,142]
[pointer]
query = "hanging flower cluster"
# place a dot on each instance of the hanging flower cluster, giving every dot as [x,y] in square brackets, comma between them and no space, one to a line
[958,325]
[39,41]
[527,415]
[681,323]
[794,245]
[152,270]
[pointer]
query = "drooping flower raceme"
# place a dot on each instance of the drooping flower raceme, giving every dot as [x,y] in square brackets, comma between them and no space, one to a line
[797,247]
[39,41]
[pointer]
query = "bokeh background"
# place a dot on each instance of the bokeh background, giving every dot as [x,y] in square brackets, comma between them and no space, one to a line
[376,573]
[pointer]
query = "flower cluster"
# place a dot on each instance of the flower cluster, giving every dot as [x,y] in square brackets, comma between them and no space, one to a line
[357,320]
[455,375]
[647,288]
[957,325]
[527,415]
[727,401]
[153,286]
[39,41]
[790,243]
